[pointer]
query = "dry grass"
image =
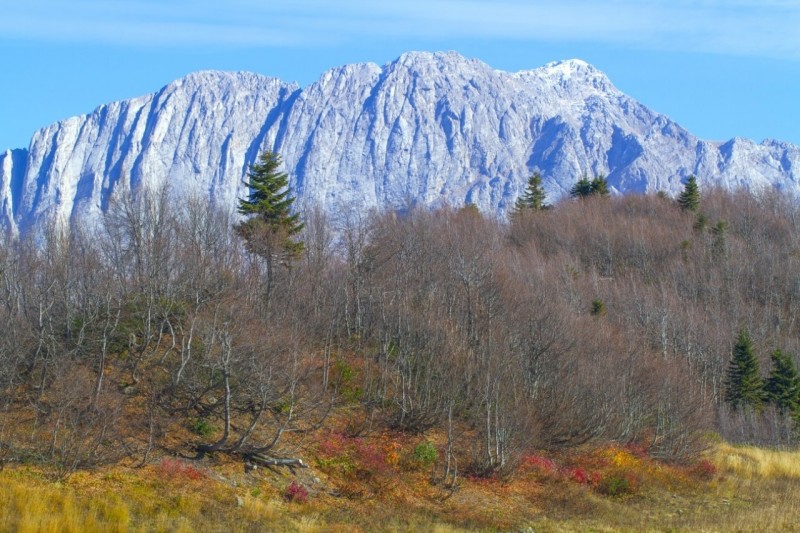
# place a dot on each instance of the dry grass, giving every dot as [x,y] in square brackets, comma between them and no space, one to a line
[753,490]
[29,503]
[750,462]
[144,500]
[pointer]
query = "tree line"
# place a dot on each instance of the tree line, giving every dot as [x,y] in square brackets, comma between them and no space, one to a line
[596,319]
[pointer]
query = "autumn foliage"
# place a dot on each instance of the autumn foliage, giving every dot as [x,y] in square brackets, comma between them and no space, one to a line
[599,320]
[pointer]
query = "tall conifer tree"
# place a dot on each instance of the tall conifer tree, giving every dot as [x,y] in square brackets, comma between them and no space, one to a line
[271,226]
[744,386]
[783,386]
[270,229]
[689,199]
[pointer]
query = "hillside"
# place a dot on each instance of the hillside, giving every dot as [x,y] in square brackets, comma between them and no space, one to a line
[428,129]
[567,370]
[413,322]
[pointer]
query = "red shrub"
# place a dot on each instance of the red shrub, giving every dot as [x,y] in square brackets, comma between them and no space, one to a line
[540,463]
[584,477]
[580,475]
[177,469]
[366,457]
[335,444]
[371,456]
[704,469]
[296,492]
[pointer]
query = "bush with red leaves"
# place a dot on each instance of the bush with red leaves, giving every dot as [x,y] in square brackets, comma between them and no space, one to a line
[704,469]
[177,469]
[296,492]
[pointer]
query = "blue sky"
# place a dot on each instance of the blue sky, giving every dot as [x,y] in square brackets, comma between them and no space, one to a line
[719,68]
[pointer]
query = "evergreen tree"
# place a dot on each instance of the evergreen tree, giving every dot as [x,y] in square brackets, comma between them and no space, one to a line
[585,187]
[271,226]
[701,223]
[534,196]
[719,245]
[689,199]
[598,308]
[582,188]
[270,229]
[600,186]
[783,386]
[744,384]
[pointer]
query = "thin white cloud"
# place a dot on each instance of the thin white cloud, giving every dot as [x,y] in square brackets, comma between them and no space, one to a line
[766,28]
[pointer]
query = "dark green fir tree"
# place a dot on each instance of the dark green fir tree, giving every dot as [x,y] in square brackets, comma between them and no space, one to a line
[783,385]
[744,386]
[271,226]
[270,229]
[585,187]
[689,199]
[534,196]
[600,186]
[582,188]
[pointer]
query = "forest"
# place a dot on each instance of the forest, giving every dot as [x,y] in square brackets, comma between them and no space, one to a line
[600,319]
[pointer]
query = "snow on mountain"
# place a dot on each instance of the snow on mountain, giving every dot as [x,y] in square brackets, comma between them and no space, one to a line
[427,129]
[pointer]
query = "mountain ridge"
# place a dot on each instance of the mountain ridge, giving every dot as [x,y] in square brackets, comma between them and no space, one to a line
[429,128]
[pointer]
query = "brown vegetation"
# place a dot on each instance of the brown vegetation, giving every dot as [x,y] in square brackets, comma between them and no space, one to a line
[601,320]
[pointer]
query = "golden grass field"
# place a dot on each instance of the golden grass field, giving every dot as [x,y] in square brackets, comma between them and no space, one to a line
[733,489]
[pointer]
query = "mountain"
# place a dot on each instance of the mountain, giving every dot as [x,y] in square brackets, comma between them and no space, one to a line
[426,129]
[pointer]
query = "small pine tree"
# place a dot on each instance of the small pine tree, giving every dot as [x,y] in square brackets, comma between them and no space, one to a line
[719,245]
[600,186]
[782,389]
[744,386]
[689,199]
[585,187]
[582,188]
[701,223]
[534,196]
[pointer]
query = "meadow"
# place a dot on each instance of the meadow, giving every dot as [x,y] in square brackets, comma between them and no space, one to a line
[733,488]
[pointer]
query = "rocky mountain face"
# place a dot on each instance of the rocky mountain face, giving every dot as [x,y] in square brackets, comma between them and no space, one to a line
[428,129]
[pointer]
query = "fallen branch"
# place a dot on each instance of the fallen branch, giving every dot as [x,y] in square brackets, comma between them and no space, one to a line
[263,460]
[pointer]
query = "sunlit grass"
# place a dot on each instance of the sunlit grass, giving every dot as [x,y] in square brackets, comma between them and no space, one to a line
[28,504]
[750,461]
[753,489]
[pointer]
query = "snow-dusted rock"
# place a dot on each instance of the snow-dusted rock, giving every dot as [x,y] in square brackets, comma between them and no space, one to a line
[427,129]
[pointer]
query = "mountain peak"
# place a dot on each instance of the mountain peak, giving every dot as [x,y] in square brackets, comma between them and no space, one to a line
[223,78]
[424,56]
[428,129]
[573,69]
[570,65]
[447,60]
